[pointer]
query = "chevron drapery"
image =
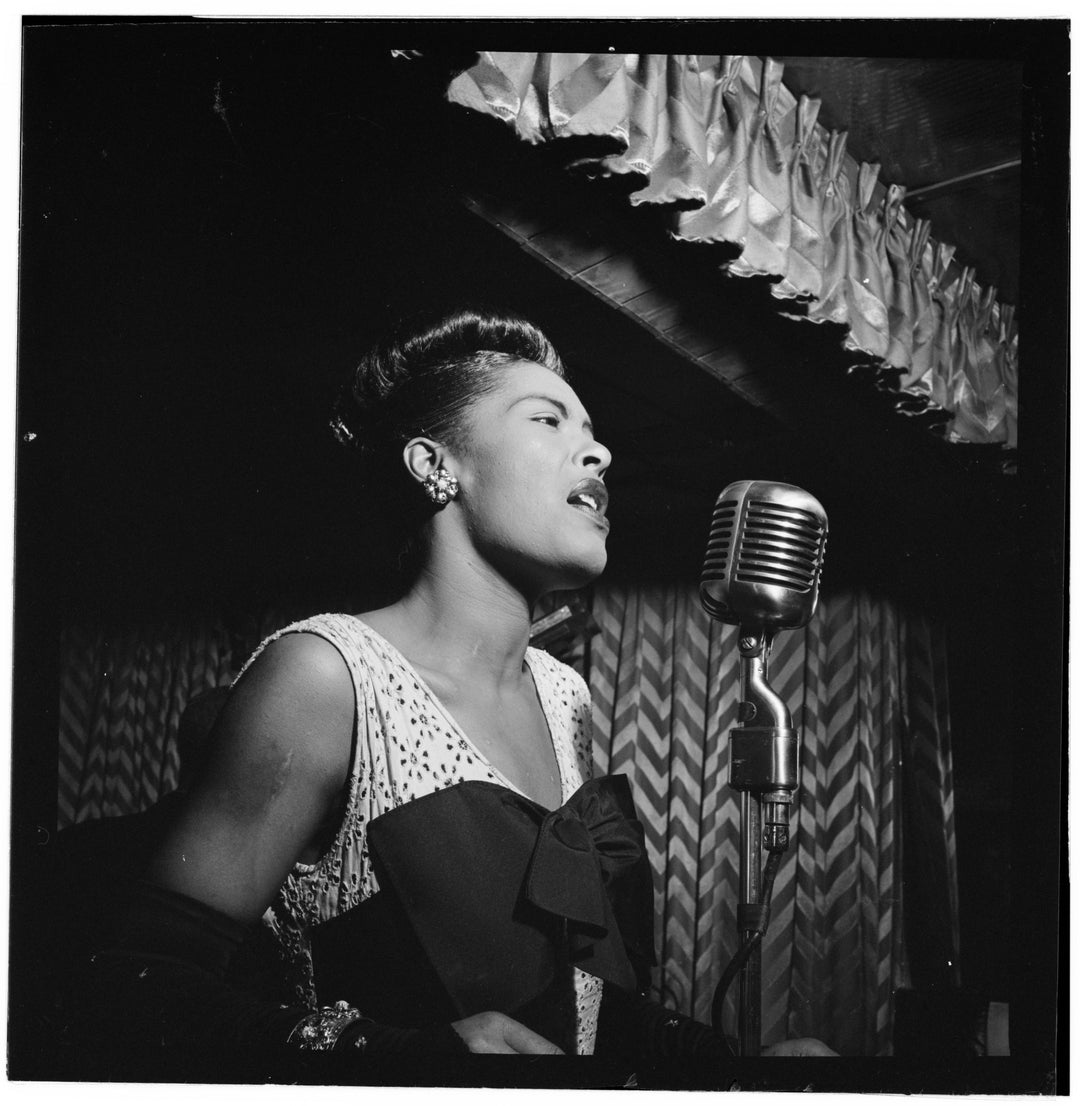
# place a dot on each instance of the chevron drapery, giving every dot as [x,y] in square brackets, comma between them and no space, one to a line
[121,696]
[722,143]
[865,686]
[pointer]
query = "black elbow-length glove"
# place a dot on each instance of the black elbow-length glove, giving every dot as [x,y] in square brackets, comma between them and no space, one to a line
[645,1032]
[158,994]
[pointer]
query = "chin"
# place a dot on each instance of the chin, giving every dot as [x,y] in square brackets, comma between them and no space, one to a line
[568,570]
[585,571]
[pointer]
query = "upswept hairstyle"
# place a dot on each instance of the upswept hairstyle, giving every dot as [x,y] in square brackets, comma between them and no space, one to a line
[423,377]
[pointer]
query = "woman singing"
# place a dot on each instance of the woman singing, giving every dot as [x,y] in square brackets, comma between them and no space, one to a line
[401,799]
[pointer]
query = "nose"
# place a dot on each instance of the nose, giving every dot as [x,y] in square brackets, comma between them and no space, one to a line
[595,456]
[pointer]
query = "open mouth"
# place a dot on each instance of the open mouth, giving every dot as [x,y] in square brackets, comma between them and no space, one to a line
[585,500]
[590,497]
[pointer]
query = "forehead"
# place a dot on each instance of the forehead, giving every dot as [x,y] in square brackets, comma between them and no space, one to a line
[525,378]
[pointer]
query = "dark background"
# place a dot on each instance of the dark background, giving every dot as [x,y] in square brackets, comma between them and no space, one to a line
[218,217]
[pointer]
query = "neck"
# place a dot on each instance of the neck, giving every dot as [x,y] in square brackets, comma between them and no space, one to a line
[462,618]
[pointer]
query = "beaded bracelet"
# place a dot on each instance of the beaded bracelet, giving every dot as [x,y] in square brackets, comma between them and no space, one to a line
[321,1029]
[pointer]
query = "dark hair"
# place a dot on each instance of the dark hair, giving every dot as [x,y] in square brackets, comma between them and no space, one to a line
[423,377]
[421,381]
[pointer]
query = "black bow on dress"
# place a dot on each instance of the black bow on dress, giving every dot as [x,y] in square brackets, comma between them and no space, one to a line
[499,891]
[582,849]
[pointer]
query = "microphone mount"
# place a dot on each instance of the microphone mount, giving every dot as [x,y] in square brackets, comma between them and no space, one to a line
[764,746]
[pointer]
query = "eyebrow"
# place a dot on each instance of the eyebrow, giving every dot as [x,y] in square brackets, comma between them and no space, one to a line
[556,403]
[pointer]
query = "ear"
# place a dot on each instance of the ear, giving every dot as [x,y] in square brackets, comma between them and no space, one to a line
[422,456]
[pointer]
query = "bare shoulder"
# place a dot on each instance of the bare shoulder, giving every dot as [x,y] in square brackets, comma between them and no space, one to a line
[300,662]
[297,692]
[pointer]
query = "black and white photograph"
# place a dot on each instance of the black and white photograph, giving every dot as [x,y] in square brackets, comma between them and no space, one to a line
[536,569]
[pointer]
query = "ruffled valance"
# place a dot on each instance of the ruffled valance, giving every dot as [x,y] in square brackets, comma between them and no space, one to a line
[734,156]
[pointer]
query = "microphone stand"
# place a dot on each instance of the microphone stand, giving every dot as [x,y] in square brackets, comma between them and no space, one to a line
[764,766]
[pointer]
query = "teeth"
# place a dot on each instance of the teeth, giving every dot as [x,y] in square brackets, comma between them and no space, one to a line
[591,501]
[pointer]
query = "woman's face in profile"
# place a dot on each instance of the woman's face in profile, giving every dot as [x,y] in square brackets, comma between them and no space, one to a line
[531,481]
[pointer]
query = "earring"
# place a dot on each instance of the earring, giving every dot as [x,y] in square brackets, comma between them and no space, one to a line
[440,486]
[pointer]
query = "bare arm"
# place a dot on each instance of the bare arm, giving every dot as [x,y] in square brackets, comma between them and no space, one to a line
[279,762]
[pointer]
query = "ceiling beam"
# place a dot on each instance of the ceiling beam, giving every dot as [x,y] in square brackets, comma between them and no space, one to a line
[963,178]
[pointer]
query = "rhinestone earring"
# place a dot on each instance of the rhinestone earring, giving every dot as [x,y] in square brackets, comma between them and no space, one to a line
[440,486]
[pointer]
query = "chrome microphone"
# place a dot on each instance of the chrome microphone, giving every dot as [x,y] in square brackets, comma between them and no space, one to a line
[762,571]
[763,561]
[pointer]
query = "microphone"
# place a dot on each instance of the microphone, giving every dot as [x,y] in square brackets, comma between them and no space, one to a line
[763,561]
[762,571]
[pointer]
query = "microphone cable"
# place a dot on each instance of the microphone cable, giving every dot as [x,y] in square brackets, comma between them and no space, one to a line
[759,913]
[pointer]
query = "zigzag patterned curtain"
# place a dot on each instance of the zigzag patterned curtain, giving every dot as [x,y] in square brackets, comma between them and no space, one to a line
[727,149]
[121,697]
[865,687]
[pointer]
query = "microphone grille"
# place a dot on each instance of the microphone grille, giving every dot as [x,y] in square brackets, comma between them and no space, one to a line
[764,554]
[781,545]
[718,551]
